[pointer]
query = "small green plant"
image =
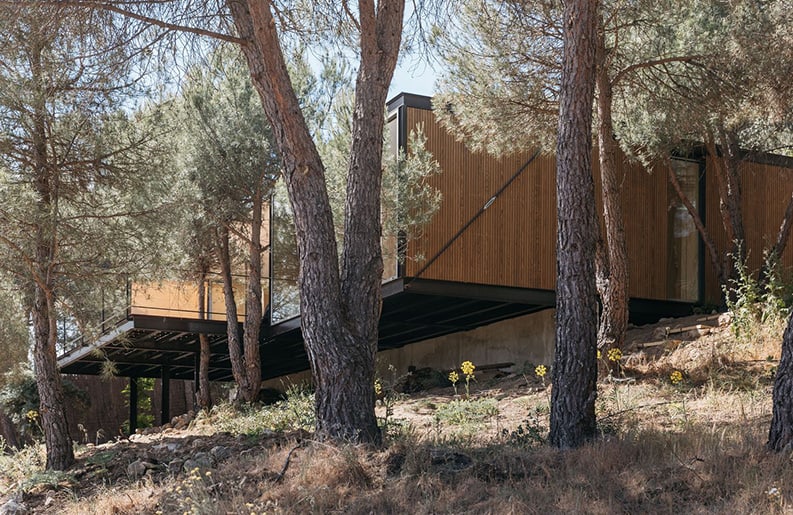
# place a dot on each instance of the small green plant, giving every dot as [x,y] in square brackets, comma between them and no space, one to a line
[467,368]
[453,378]
[468,371]
[386,394]
[19,398]
[529,433]
[540,371]
[754,304]
[295,412]
[19,466]
[469,411]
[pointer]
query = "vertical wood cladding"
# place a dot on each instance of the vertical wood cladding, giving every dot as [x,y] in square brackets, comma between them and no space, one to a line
[766,191]
[513,241]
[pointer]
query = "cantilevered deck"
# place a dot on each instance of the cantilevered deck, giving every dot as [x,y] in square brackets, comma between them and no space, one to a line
[413,310]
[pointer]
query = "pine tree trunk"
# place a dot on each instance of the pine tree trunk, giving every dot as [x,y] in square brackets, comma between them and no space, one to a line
[780,434]
[614,294]
[203,395]
[232,325]
[575,368]
[253,302]
[339,312]
[60,454]
[728,180]
[52,409]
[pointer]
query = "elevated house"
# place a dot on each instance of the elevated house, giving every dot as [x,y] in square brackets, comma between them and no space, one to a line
[483,288]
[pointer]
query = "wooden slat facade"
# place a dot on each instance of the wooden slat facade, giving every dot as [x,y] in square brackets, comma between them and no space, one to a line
[766,191]
[513,242]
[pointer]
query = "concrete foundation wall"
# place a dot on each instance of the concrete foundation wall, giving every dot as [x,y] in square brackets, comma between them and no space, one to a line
[521,340]
[529,338]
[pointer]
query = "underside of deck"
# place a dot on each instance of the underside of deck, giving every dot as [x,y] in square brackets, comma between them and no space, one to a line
[413,310]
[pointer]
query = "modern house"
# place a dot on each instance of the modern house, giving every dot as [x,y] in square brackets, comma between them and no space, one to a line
[484,286]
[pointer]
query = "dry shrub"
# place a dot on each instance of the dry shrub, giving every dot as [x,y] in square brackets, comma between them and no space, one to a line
[130,500]
[321,478]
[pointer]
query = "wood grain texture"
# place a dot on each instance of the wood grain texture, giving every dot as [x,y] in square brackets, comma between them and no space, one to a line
[514,242]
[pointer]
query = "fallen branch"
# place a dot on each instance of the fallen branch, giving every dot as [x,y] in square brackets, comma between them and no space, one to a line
[280,475]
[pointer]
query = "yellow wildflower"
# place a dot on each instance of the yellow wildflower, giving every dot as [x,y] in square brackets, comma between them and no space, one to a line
[468,368]
[378,387]
[540,370]
[454,377]
[599,354]
[32,415]
[615,354]
[676,377]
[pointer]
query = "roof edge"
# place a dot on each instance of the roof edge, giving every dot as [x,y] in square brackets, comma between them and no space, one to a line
[409,100]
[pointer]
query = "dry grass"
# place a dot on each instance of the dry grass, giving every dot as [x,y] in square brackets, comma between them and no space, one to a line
[696,447]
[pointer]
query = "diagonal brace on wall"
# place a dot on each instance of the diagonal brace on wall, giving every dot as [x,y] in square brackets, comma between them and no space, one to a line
[479,213]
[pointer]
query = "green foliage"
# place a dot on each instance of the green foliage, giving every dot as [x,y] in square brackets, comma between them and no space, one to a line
[145,387]
[531,432]
[14,335]
[755,306]
[466,412]
[387,396]
[18,467]
[227,148]
[409,201]
[737,86]
[80,162]
[296,412]
[500,89]
[19,399]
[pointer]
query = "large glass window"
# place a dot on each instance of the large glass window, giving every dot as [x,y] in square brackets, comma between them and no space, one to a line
[683,249]
[285,299]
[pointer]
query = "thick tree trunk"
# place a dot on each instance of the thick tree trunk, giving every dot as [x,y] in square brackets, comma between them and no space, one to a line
[52,410]
[203,395]
[232,325]
[575,367]
[780,434]
[253,302]
[60,454]
[614,290]
[339,316]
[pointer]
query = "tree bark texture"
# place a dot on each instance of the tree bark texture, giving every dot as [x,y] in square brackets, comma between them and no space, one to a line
[780,434]
[253,302]
[728,180]
[52,410]
[203,394]
[614,290]
[575,367]
[339,312]
[232,325]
